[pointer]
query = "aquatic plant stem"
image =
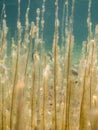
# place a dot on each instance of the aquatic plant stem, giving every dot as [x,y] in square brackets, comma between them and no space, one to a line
[28,54]
[20,106]
[91,67]
[32,101]
[55,52]
[91,76]
[44,102]
[2,115]
[33,97]
[16,67]
[68,89]
[81,118]
[89,21]
[13,92]
[66,22]
[55,83]
[63,26]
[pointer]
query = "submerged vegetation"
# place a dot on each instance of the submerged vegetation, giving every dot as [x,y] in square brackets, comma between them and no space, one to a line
[42,90]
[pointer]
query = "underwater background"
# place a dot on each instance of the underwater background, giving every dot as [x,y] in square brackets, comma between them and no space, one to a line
[80,30]
[48,65]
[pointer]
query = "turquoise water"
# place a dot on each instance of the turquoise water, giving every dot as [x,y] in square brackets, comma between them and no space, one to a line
[80,30]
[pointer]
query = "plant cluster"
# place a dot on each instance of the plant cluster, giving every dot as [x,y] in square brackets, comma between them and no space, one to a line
[42,90]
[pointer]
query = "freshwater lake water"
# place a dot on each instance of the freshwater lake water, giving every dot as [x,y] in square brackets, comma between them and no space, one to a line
[80,30]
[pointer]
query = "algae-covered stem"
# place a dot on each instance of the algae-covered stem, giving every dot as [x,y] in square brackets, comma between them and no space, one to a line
[28,55]
[91,74]
[63,26]
[20,106]
[40,67]
[81,118]
[4,31]
[37,30]
[91,70]
[55,63]
[33,96]
[26,33]
[66,22]
[42,19]
[89,21]
[89,38]
[16,67]
[42,29]
[3,42]
[13,89]
[41,57]
[26,36]
[3,111]
[32,100]
[68,70]
[44,96]
[42,34]
[66,39]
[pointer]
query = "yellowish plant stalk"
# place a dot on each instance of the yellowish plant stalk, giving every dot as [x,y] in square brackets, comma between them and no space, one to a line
[44,104]
[91,73]
[28,55]
[20,106]
[82,112]
[13,93]
[34,97]
[67,94]
[32,101]
[55,86]
[55,52]
[68,74]
[16,68]
[45,78]
[2,115]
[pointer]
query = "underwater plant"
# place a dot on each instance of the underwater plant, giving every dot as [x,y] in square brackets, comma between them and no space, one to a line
[41,89]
